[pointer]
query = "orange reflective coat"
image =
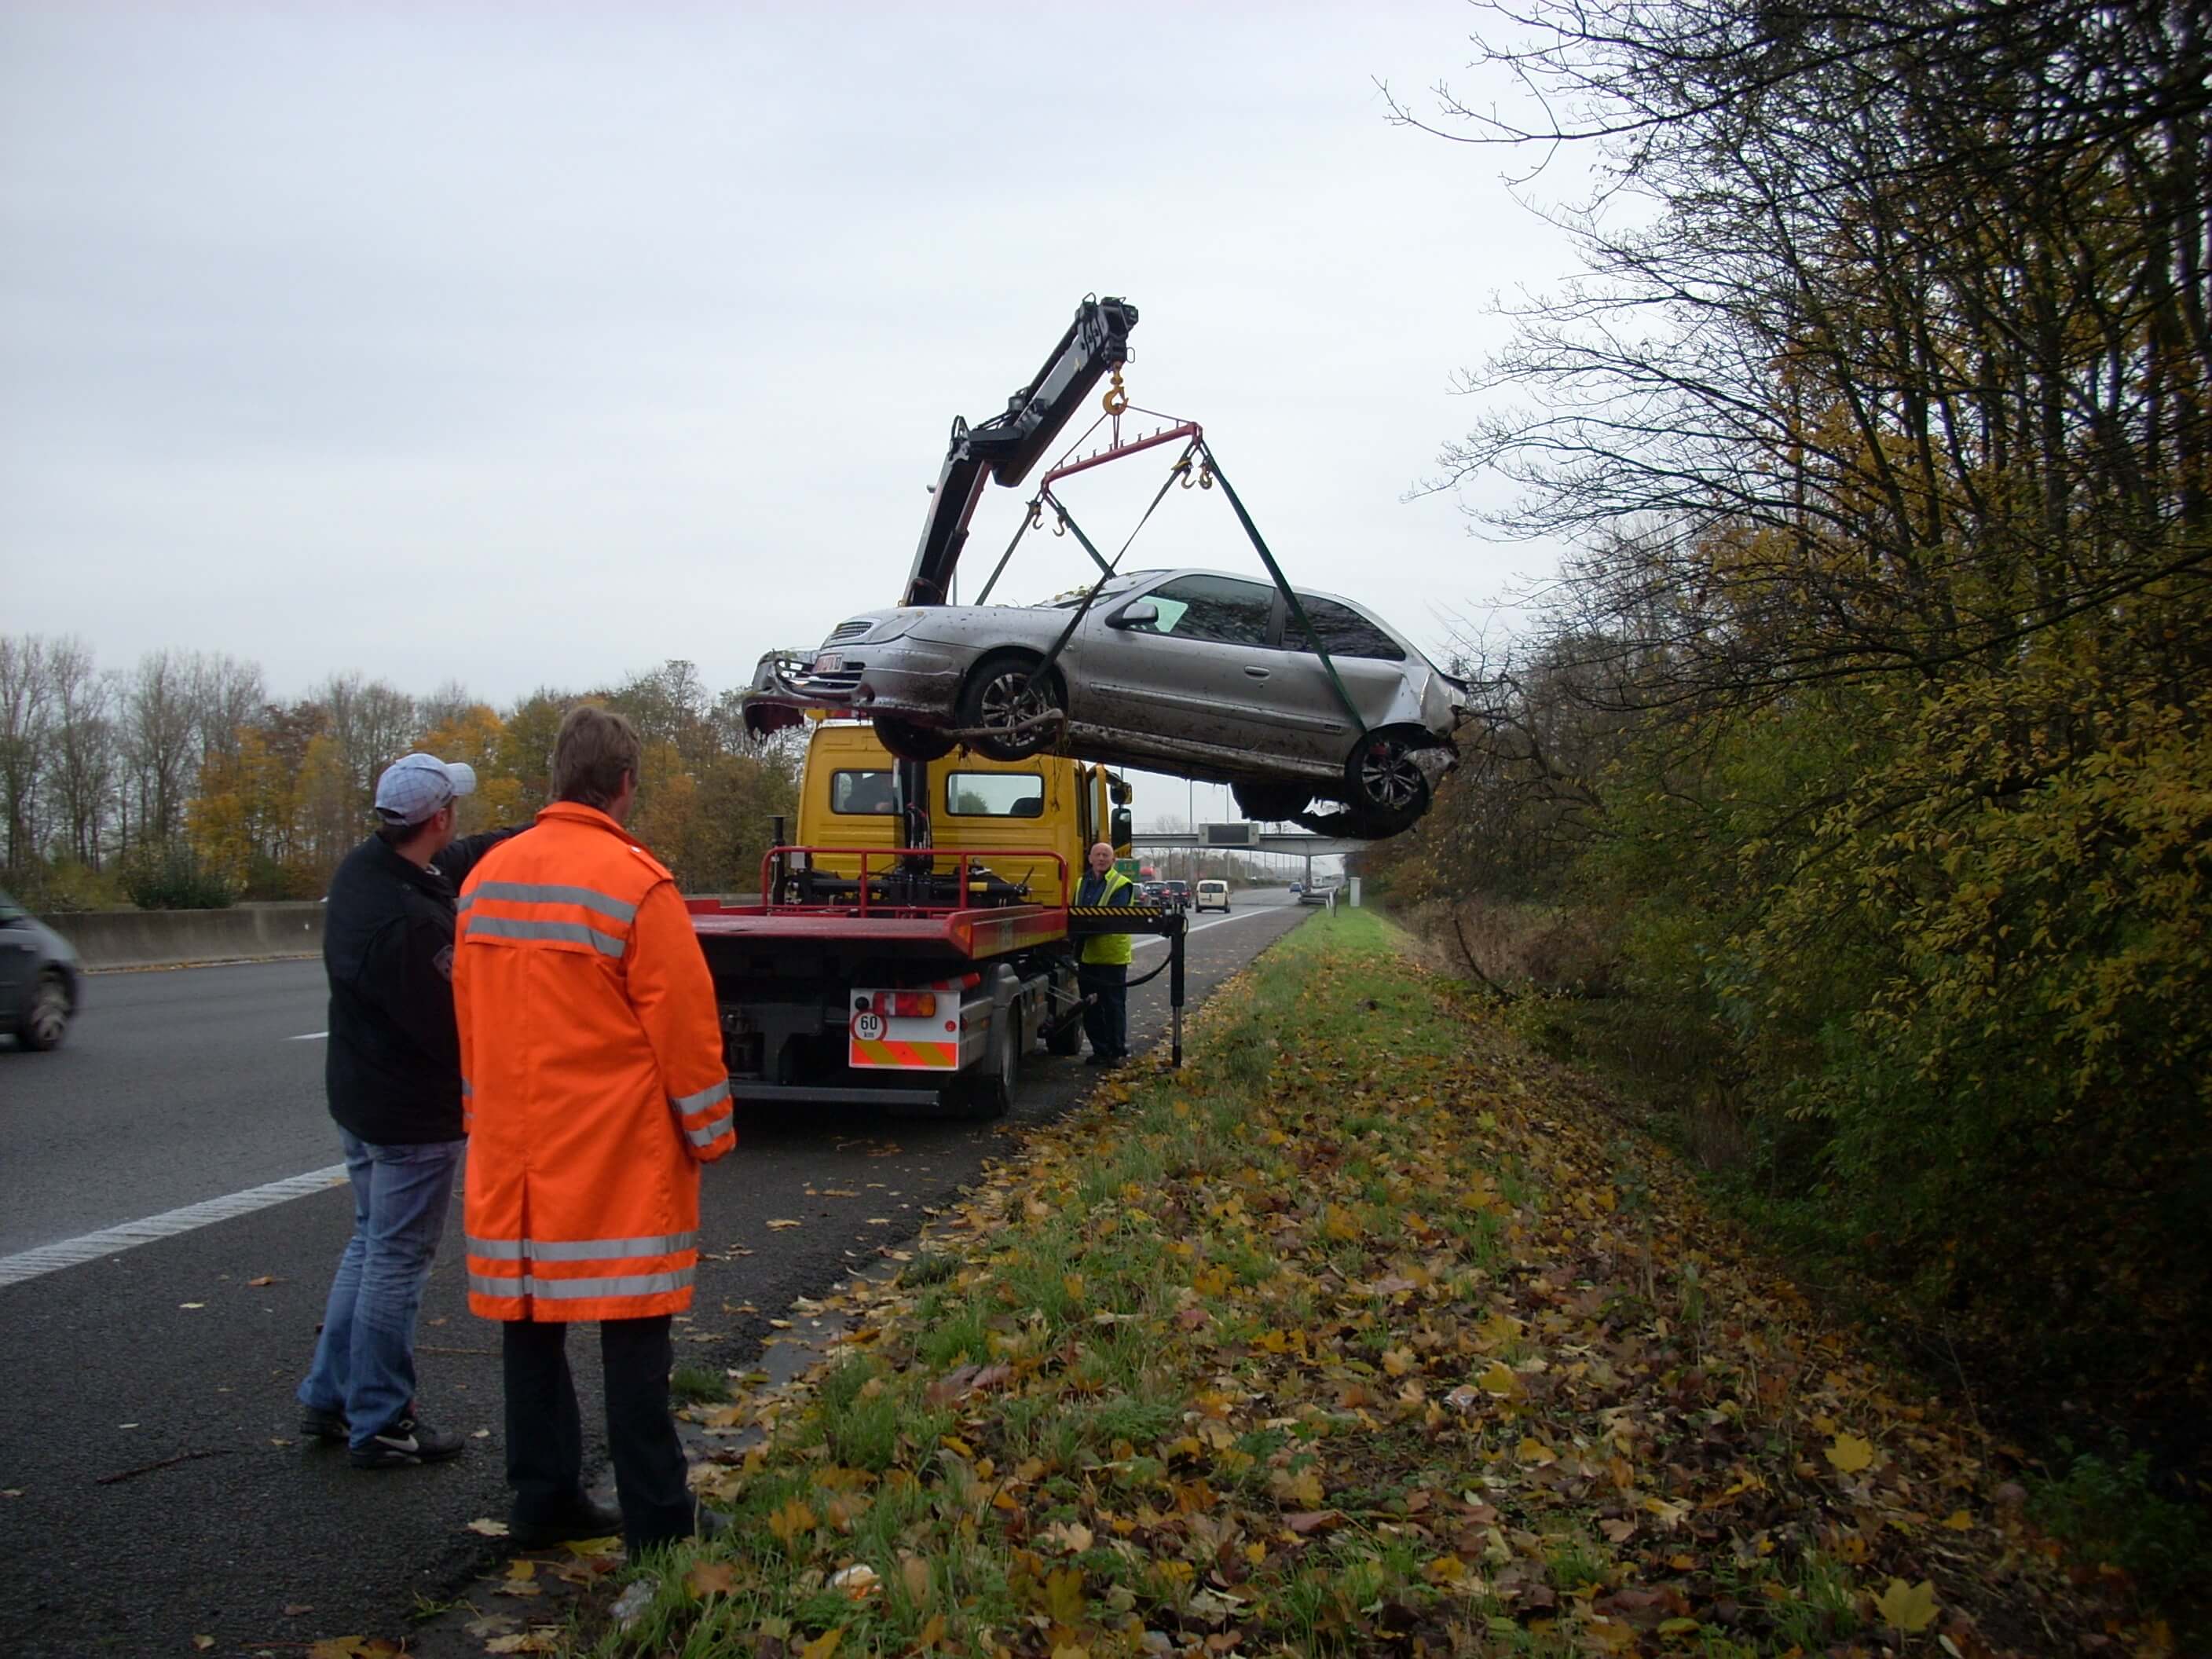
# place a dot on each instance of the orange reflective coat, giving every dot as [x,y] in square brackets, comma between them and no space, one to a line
[592,1084]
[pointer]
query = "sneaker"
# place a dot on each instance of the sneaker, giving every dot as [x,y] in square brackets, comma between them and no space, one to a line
[318,1424]
[578,1518]
[409,1440]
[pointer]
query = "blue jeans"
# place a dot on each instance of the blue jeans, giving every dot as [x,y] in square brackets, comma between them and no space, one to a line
[365,1359]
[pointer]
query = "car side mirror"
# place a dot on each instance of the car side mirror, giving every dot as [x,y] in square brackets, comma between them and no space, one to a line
[1143,614]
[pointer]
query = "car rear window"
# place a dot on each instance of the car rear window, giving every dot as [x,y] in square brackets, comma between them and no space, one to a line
[1344,632]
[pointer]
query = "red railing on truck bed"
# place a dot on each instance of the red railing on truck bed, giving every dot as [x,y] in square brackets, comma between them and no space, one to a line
[966,929]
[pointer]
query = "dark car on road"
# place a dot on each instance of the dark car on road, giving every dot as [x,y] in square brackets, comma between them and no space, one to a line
[39,978]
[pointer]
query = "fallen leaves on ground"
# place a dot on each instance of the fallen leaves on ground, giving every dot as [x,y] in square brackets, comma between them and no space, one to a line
[1369,1333]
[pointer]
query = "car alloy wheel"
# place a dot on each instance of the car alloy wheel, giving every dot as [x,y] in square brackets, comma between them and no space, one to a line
[1389,791]
[49,1017]
[1003,696]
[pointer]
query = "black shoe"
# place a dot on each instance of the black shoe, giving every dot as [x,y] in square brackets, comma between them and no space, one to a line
[409,1441]
[318,1424]
[580,1517]
[1095,1058]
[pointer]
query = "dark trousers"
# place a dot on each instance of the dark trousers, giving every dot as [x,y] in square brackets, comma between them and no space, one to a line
[1106,1015]
[545,1436]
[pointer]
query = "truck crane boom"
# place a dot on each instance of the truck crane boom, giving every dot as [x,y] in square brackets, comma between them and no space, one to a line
[1004,448]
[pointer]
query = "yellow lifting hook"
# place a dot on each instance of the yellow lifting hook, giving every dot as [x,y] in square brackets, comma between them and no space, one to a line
[1116,399]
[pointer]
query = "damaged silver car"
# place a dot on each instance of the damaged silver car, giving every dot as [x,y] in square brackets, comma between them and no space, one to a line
[1193,672]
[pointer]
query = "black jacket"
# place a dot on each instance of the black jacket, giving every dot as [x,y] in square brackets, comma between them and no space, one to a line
[394,1065]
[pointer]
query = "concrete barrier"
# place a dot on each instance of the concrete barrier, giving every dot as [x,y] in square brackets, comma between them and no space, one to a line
[244,933]
[159,939]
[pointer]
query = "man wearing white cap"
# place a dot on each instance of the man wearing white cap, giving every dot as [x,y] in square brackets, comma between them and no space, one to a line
[393,1076]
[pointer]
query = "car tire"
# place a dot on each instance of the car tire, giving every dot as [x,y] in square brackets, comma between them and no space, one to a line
[1000,693]
[1270,803]
[46,1023]
[1385,791]
[908,741]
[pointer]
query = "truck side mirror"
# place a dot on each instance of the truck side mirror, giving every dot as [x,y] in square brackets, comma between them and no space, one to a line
[1125,825]
[1143,614]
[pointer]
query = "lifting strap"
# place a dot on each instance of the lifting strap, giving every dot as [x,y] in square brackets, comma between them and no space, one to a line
[1107,569]
[1297,611]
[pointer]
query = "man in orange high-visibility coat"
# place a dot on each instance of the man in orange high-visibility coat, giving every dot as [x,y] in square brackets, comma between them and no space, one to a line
[593,1087]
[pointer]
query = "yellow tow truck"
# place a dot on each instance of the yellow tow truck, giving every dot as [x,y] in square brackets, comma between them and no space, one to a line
[917,939]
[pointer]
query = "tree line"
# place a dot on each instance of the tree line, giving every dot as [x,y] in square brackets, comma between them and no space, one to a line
[1854,789]
[180,781]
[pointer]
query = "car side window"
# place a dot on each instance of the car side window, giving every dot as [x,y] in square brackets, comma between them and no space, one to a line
[1344,632]
[1218,608]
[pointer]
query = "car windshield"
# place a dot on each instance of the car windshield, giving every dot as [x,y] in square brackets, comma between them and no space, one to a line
[1110,586]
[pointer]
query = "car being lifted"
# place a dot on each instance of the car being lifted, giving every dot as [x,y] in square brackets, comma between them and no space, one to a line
[1197,673]
[1287,696]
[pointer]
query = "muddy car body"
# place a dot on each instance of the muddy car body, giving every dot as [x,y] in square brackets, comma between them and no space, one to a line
[1197,673]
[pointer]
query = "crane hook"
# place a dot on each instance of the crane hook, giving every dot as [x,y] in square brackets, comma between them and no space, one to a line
[1116,399]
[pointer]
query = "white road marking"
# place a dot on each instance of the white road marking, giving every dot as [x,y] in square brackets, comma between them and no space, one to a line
[1154,939]
[110,1241]
[307,1036]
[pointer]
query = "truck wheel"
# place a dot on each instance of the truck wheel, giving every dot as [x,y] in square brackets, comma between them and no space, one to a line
[990,1092]
[1066,1039]
[1002,693]
[909,742]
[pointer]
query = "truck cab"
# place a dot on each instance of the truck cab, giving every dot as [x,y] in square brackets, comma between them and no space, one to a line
[1036,820]
[914,941]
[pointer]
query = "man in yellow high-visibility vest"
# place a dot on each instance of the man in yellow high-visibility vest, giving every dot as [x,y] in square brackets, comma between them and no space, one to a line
[1102,969]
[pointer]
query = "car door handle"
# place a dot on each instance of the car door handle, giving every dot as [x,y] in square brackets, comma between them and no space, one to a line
[1255,673]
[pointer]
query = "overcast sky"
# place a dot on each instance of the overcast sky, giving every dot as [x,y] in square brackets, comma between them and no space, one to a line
[529,344]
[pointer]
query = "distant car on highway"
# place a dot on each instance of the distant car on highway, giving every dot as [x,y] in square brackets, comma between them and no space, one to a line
[1176,893]
[39,978]
[1213,896]
[1320,891]
[1194,672]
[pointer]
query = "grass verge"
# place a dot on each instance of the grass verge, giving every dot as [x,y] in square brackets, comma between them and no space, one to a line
[1354,1336]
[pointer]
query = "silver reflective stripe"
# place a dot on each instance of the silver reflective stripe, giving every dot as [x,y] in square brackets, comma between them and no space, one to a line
[606,1250]
[467,1087]
[574,932]
[578,1249]
[463,902]
[706,1136]
[546,892]
[704,1098]
[578,1290]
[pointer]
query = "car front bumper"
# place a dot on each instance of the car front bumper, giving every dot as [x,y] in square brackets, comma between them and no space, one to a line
[899,677]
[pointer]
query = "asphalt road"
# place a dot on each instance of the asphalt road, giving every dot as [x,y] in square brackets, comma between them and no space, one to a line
[152,1484]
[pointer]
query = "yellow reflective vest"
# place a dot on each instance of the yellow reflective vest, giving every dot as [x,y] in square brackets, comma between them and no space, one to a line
[1107,949]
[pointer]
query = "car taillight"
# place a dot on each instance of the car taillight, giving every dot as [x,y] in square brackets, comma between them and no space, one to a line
[910,1004]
